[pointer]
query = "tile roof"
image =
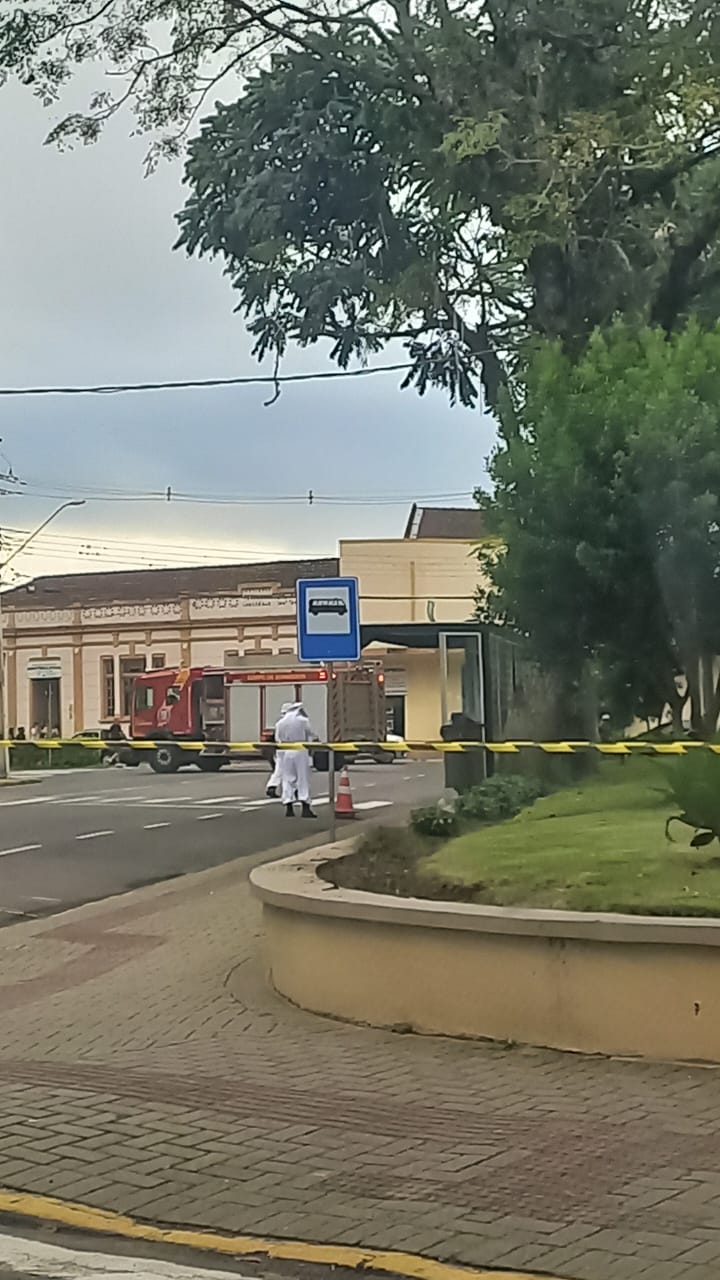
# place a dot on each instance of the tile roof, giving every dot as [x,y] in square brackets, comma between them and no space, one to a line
[58,591]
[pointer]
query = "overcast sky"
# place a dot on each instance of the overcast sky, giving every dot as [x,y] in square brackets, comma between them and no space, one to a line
[92,293]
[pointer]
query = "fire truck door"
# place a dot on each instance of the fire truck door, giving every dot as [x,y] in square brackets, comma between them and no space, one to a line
[275,696]
[244,709]
[314,699]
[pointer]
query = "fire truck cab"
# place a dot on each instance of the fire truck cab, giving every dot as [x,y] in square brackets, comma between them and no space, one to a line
[217,706]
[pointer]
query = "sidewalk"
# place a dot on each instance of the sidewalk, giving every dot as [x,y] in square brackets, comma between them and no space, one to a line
[146,1068]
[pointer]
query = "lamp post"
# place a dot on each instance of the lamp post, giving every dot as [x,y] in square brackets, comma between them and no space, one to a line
[4,750]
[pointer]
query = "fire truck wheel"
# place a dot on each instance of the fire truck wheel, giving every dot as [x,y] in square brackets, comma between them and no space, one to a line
[165,759]
[210,764]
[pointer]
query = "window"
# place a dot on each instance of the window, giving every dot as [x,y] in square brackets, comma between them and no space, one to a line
[129,668]
[107,691]
[144,697]
[157,662]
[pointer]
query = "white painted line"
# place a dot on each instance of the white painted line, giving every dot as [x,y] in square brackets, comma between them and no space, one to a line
[208,817]
[408,777]
[34,1258]
[373,804]
[155,826]
[221,799]
[21,848]
[9,804]
[9,911]
[37,898]
[94,835]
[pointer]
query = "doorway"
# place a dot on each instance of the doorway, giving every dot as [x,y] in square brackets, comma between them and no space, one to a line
[45,705]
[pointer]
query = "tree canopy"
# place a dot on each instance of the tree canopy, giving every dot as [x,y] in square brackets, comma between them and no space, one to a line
[455,174]
[607,500]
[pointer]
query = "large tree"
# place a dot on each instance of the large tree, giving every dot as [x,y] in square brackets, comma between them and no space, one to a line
[456,174]
[607,502]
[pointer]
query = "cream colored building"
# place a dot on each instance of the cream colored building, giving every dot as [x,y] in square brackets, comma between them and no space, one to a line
[74,642]
[417,583]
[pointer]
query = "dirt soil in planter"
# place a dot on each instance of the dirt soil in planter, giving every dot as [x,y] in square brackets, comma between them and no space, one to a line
[392,860]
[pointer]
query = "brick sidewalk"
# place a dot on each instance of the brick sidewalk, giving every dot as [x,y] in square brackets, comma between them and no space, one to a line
[146,1068]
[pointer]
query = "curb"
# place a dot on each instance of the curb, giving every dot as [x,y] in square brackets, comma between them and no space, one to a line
[44,1210]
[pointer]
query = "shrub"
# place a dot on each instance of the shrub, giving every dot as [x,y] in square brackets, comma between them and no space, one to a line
[695,786]
[35,755]
[499,797]
[437,820]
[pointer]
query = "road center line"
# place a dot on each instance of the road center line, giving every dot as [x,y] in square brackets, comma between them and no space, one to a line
[207,817]
[155,826]
[94,835]
[22,848]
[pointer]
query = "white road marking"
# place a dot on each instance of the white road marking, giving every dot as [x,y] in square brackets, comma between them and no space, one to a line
[155,826]
[408,777]
[94,835]
[221,799]
[37,1258]
[208,817]
[36,898]
[10,911]
[21,848]
[8,804]
[373,804]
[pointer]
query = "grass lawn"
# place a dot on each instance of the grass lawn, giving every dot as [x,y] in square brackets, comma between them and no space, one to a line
[599,846]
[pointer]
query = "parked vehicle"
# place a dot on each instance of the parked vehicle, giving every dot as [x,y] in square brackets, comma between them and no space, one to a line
[217,706]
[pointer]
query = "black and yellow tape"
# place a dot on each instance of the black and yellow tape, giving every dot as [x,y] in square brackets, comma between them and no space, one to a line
[397,746]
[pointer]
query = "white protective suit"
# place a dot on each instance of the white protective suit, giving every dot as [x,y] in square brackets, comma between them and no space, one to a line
[294,726]
[276,775]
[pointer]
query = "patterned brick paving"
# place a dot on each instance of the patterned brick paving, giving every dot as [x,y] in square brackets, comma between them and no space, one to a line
[146,1067]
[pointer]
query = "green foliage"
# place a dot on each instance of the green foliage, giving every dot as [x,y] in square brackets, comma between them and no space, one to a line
[694,782]
[497,798]
[607,501]
[436,820]
[34,755]
[500,796]
[454,176]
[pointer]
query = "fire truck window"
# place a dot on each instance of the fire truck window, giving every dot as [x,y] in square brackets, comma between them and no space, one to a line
[214,688]
[144,697]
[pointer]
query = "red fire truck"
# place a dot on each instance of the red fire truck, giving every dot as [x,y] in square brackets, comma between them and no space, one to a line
[217,706]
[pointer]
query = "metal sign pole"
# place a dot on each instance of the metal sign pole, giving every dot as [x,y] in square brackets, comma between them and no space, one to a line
[331,760]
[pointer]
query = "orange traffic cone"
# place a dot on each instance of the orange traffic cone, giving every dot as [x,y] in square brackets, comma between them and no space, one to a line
[343,801]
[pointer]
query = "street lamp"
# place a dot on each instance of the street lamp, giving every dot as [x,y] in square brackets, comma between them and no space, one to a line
[4,750]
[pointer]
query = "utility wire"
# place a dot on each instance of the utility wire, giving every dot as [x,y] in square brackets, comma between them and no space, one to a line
[184,384]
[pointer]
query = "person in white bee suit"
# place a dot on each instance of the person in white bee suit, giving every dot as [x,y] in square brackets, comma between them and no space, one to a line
[295,726]
[275,783]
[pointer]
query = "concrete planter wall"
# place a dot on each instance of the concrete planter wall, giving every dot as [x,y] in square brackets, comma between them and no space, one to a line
[611,984]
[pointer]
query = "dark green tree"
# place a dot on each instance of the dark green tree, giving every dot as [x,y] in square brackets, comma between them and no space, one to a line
[454,175]
[607,502]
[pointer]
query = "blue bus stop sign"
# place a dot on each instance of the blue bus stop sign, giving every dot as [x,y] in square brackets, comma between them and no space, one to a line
[328,620]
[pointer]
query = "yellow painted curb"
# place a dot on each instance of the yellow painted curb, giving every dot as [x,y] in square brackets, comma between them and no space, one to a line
[81,1217]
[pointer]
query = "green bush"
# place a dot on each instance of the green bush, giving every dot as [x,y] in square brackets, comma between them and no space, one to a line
[499,797]
[34,755]
[494,800]
[435,820]
[694,781]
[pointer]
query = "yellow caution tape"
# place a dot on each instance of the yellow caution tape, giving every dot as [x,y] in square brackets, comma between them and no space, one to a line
[626,747]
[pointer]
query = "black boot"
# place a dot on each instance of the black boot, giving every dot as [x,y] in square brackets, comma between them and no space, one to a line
[289,811]
[307,811]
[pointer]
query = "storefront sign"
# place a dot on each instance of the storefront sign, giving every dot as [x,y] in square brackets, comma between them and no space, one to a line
[45,668]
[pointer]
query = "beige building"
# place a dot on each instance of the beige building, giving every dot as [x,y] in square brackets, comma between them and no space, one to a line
[415,584]
[74,642]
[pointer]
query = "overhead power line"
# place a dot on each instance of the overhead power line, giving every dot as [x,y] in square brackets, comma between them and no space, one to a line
[187,384]
[40,488]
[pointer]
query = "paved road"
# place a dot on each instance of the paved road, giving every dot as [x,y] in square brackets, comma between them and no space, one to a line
[82,836]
